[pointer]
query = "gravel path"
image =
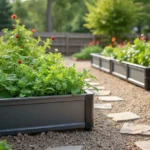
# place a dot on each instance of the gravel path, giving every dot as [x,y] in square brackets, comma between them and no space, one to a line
[105,135]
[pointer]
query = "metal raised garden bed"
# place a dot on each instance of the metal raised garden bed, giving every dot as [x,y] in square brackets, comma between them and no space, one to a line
[133,73]
[101,62]
[119,69]
[139,75]
[40,114]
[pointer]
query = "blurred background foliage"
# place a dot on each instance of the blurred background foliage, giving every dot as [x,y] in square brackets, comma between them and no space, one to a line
[65,15]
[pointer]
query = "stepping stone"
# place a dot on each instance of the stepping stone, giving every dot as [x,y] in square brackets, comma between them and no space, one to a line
[143,145]
[66,148]
[103,106]
[98,87]
[94,83]
[110,98]
[123,116]
[87,80]
[129,128]
[102,93]
[92,88]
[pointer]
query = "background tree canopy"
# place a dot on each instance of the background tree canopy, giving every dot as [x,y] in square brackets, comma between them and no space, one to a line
[112,17]
[68,15]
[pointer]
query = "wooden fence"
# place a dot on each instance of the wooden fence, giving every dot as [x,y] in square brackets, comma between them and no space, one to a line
[69,43]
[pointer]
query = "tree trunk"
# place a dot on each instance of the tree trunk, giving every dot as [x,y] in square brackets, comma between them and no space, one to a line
[49,16]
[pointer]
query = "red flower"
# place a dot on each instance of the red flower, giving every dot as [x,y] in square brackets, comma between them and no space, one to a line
[52,38]
[33,30]
[91,43]
[17,36]
[13,16]
[113,39]
[19,61]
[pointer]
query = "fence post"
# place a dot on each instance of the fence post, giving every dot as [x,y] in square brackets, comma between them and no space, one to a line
[67,44]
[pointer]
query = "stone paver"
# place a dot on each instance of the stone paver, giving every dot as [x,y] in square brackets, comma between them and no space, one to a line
[110,98]
[95,90]
[103,106]
[87,80]
[92,88]
[143,145]
[129,128]
[102,93]
[94,83]
[123,116]
[66,148]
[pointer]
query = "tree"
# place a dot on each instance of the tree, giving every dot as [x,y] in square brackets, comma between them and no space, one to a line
[49,15]
[144,19]
[5,14]
[112,17]
[68,15]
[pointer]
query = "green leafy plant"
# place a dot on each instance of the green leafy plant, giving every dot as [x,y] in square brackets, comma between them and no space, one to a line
[92,47]
[112,17]
[4,145]
[137,53]
[26,70]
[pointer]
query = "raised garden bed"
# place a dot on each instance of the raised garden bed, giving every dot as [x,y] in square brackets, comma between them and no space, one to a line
[40,114]
[119,69]
[139,75]
[95,60]
[136,74]
[101,62]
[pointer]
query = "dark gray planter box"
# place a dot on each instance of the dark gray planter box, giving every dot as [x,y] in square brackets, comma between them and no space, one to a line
[104,63]
[136,74]
[139,75]
[119,69]
[40,114]
[95,60]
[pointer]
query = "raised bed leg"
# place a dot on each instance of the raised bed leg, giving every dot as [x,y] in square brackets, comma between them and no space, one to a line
[89,112]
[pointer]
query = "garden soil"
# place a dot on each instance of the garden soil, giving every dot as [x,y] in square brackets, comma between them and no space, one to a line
[106,132]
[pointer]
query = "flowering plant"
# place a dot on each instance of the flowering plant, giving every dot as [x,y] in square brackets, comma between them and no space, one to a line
[138,52]
[26,70]
[92,47]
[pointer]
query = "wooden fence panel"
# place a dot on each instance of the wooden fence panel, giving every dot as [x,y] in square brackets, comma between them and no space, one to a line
[69,43]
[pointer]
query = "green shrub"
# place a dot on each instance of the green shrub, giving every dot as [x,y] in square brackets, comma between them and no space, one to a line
[4,145]
[26,70]
[87,50]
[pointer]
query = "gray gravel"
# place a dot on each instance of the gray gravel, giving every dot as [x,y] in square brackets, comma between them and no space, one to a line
[105,135]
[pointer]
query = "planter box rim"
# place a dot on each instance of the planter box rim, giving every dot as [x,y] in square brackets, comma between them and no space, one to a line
[136,65]
[129,63]
[100,56]
[87,92]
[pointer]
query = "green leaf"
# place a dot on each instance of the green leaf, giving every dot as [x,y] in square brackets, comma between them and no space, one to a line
[64,85]
[75,91]
[4,145]
[58,86]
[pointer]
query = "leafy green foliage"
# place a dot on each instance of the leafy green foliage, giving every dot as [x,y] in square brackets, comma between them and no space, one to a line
[4,145]
[87,50]
[26,70]
[112,17]
[138,53]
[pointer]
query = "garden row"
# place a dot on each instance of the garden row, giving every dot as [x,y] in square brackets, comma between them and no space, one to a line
[136,74]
